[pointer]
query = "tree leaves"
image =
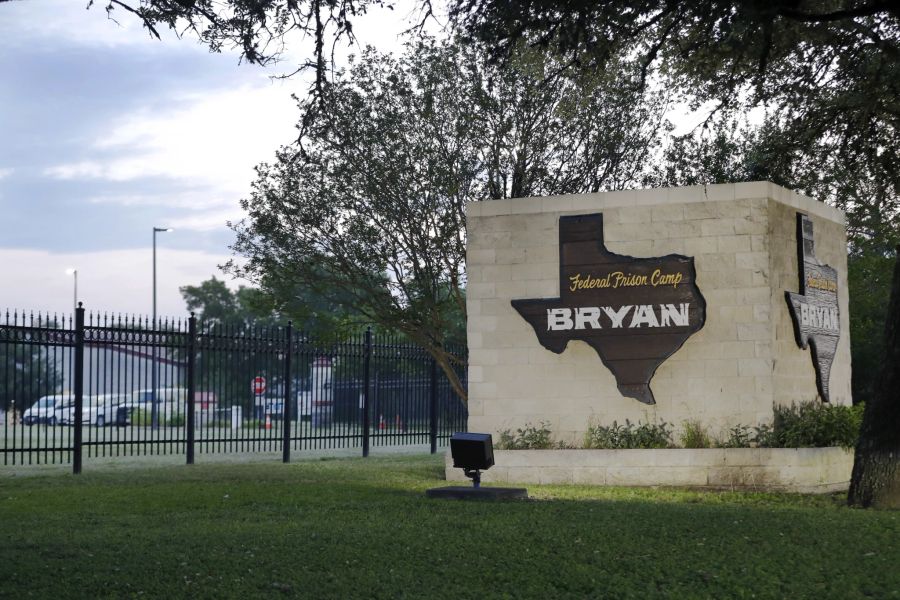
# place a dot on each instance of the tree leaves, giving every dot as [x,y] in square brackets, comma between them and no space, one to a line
[368,208]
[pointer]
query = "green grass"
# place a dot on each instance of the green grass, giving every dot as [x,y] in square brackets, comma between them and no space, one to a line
[363,528]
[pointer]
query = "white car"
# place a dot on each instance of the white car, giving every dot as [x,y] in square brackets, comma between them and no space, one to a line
[95,410]
[44,410]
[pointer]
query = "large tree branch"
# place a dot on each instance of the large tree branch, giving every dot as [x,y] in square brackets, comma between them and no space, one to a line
[864,10]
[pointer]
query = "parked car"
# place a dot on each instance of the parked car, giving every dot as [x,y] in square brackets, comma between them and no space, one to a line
[44,410]
[95,410]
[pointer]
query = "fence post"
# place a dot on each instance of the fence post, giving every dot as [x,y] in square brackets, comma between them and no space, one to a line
[432,411]
[367,353]
[79,388]
[287,403]
[191,365]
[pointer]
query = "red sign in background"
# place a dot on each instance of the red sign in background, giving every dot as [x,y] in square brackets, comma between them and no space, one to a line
[259,385]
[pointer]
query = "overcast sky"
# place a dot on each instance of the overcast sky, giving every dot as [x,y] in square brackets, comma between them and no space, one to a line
[106,133]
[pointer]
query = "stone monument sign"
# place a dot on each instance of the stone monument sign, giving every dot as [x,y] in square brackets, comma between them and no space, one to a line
[580,305]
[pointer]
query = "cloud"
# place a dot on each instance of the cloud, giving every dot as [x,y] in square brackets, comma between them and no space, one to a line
[80,170]
[190,165]
[218,137]
[113,281]
[6,173]
[42,22]
[209,145]
[196,199]
[212,220]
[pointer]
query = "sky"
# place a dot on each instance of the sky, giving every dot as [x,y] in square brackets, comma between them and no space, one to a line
[106,133]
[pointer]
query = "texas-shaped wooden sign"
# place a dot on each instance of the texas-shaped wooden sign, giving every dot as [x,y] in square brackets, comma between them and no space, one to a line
[635,312]
[814,310]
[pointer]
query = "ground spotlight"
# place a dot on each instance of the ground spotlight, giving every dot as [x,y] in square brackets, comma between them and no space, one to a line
[473,453]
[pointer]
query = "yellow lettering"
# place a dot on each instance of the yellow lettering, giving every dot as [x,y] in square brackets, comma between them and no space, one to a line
[659,278]
[574,279]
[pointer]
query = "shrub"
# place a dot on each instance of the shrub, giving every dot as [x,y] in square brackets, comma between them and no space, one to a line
[695,435]
[739,436]
[805,425]
[765,436]
[141,417]
[629,435]
[815,425]
[527,438]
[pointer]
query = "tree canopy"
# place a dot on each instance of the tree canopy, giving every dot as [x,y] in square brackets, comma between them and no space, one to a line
[257,29]
[370,204]
[826,73]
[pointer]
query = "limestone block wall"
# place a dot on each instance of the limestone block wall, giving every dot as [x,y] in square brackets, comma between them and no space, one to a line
[804,470]
[731,372]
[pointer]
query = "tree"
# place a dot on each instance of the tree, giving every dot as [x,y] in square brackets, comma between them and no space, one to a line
[28,368]
[876,469]
[829,68]
[27,372]
[256,28]
[214,303]
[869,277]
[277,301]
[828,73]
[369,207]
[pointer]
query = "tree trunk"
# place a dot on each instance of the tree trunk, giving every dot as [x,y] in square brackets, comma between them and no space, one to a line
[444,362]
[876,467]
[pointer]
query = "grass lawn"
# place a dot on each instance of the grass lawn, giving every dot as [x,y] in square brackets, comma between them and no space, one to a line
[359,528]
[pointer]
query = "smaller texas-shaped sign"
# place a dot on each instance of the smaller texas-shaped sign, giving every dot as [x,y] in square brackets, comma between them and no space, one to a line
[634,312]
[814,310]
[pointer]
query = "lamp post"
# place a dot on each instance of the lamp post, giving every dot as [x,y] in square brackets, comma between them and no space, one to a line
[154,411]
[74,272]
[155,231]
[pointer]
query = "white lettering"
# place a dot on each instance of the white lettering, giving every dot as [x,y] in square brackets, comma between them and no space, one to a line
[559,319]
[616,316]
[652,315]
[672,316]
[644,315]
[589,315]
[819,317]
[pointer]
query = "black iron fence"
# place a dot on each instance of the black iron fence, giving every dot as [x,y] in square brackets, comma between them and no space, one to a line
[97,385]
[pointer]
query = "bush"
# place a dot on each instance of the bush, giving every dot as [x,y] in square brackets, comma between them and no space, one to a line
[806,425]
[629,435]
[739,436]
[527,438]
[815,425]
[695,435]
[141,417]
[765,436]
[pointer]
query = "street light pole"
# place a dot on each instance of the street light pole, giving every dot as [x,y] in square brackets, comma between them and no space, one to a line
[154,414]
[75,294]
